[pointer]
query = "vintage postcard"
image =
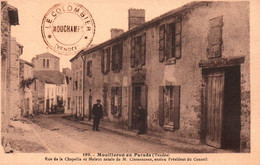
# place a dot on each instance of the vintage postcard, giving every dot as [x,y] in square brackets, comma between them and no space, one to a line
[122,82]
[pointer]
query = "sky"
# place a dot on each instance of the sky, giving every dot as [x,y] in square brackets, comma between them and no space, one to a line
[107,14]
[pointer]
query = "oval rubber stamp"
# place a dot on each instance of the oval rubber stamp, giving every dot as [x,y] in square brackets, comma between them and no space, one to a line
[68,28]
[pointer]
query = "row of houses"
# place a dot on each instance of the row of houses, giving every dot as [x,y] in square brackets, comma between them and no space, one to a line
[28,88]
[189,68]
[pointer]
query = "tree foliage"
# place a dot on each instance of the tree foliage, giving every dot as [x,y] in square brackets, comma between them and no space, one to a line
[26,83]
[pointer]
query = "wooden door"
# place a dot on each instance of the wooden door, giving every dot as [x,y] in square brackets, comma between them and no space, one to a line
[47,105]
[143,97]
[90,107]
[136,102]
[214,107]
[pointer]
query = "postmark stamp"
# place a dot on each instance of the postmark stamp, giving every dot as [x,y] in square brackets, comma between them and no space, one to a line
[68,28]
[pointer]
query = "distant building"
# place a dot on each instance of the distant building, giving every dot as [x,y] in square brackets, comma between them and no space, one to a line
[46,61]
[9,17]
[189,68]
[49,89]
[26,87]
[50,86]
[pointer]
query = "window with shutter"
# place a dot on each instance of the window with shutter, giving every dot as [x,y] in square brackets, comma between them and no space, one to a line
[117,57]
[169,107]
[113,57]
[112,100]
[116,101]
[103,61]
[215,37]
[170,41]
[161,106]
[138,40]
[132,52]
[177,39]
[143,48]
[161,43]
[108,59]
[120,56]
[89,67]
[105,90]
[138,50]
[119,106]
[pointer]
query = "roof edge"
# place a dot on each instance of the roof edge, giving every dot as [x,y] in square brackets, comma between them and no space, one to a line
[144,25]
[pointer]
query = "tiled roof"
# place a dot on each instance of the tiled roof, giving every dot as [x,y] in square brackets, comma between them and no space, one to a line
[174,12]
[49,76]
[26,62]
[79,53]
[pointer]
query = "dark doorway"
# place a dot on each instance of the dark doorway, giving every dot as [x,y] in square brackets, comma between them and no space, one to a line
[139,98]
[90,107]
[136,102]
[232,109]
[222,104]
[48,105]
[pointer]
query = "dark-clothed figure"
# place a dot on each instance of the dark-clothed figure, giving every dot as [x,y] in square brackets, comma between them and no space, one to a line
[97,112]
[141,119]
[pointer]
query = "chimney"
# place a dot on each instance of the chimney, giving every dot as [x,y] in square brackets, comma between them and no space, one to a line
[116,32]
[136,17]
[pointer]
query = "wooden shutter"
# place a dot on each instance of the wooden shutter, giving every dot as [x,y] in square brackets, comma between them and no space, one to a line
[113,57]
[143,49]
[88,68]
[215,37]
[137,50]
[161,43]
[105,100]
[130,109]
[176,97]
[102,61]
[144,92]
[119,108]
[161,105]
[120,56]
[178,39]
[132,52]
[112,99]
[168,48]
[108,59]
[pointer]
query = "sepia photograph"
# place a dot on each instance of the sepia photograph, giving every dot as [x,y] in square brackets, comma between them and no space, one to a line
[125,81]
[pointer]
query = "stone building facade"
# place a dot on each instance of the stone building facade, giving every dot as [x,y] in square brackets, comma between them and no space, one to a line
[26,87]
[9,17]
[46,61]
[68,78]
[189,68]
[77,86]
[14,69]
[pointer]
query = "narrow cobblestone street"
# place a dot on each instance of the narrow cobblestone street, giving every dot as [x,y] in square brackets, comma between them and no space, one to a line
[55,134]
[62,136]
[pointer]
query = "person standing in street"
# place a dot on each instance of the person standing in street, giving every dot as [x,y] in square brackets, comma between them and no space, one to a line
[141,120]
[97,112]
